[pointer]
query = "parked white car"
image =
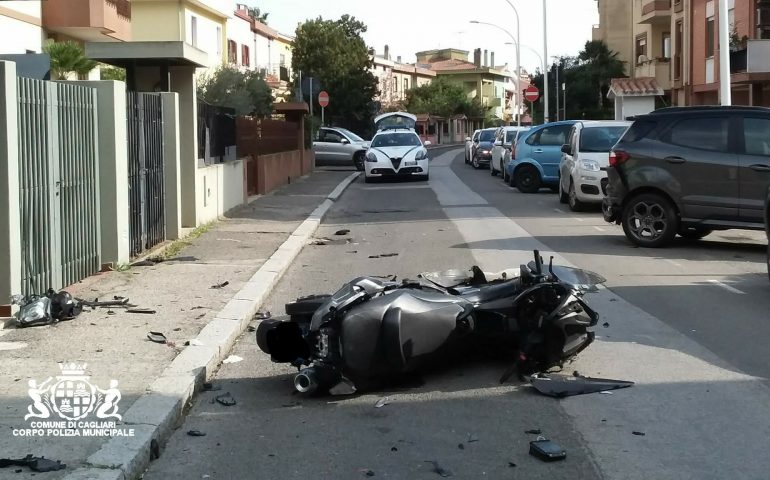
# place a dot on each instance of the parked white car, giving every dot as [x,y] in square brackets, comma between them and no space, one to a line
[396,151]
[505,138]
[469,142]
[584,160]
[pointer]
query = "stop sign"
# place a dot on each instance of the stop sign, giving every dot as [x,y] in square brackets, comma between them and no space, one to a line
[532,93]
[323,99]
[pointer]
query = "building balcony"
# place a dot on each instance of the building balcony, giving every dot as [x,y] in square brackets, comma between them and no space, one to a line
[755,58]
[659,69]
[89,20]
[656,12]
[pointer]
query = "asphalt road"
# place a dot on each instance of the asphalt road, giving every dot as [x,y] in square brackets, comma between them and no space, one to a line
[687,324]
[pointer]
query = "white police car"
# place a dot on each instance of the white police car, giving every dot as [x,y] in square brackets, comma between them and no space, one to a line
[396,151]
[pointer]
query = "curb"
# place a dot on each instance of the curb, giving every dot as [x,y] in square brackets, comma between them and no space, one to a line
[155,415]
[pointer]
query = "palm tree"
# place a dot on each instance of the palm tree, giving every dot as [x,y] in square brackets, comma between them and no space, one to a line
[257,15]
[68,57]
[602,63]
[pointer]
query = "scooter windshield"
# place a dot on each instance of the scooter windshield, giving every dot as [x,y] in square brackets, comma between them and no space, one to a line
[448,278]
[583,280]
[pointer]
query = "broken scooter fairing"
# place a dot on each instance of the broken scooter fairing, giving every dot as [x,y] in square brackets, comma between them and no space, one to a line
[371,330]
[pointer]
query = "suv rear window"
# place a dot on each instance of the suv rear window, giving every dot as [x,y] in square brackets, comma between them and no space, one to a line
[638,130]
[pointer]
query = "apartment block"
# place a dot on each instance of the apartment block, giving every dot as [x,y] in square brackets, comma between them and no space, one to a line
[676,42]
[616,20]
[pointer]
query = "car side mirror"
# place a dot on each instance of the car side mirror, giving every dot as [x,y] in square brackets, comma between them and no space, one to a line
[345,141]
[566,148]
[427,143]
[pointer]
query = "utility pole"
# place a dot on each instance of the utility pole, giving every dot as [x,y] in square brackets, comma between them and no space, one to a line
[725,93]
[546,117]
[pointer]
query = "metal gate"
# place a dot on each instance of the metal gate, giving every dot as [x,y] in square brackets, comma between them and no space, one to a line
[147,226]
[59,184]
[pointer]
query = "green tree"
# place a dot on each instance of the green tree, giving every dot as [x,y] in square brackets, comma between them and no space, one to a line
[246,92]
[66,58]
[443,98]
[587,77]
[602,65]
[335,54]
[256,14]
[112,73]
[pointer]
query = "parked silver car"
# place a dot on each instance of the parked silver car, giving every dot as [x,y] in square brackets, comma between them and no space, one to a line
[339,147]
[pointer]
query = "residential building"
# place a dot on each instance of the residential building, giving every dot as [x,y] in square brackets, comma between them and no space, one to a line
[87,20]
[652,41]
[676,43]
[200,23]
[22,22]
[479,79]
[616,22]
[396,78]
[241,51]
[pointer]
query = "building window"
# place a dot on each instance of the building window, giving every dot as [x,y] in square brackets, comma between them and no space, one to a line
[763,19]
[395,84]
[283,60]
[406,84]
[666,45]
[710,37]
[219,41]
[641,49]
[245,55]
[232,52]
[194,31]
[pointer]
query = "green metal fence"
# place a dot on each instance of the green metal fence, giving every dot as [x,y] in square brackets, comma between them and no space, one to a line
[59,184]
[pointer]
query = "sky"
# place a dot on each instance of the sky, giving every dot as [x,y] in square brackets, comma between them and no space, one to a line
[410,26]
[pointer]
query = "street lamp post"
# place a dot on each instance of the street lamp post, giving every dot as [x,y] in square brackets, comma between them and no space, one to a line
[518,64]
[546,118]
[517,76]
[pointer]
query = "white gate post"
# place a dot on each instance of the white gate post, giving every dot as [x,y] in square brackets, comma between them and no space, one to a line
[10,216]
[113,170]
[171,169]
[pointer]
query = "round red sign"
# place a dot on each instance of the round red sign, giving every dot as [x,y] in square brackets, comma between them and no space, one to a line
[323,99]
[532,93]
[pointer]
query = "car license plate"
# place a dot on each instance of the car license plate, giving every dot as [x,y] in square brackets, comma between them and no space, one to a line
[410,163]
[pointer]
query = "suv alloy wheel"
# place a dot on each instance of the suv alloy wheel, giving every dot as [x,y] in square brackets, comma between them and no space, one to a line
[649,220]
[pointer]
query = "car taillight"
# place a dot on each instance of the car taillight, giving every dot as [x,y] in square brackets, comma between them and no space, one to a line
[618,157]
[513,152]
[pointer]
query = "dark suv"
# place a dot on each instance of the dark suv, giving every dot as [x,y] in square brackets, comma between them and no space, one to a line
[690,171]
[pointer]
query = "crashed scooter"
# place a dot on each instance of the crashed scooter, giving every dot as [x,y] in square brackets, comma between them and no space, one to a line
[370,329]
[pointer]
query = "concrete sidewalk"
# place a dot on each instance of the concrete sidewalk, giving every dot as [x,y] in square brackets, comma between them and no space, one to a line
[245,254]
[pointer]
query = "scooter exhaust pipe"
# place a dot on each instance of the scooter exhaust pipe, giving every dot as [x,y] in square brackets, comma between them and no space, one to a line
[305,381]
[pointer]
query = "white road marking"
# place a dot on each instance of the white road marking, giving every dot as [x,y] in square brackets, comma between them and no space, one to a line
[397,187]
[676,264]
[559,210]
[727,287]
[579,219]
[599,228]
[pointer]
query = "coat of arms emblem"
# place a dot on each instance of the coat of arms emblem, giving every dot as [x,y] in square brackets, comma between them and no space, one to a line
[72,396]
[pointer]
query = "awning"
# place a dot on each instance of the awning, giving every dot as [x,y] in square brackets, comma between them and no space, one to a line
[131,54]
